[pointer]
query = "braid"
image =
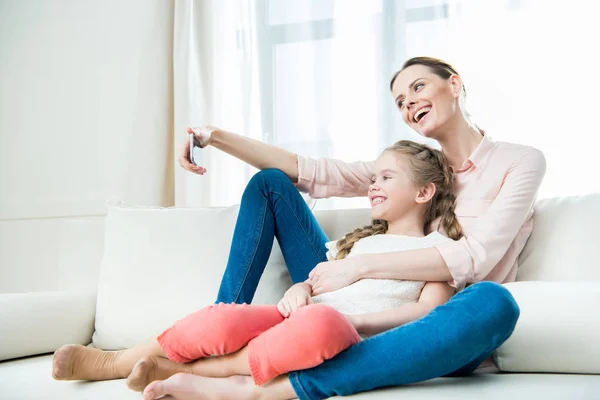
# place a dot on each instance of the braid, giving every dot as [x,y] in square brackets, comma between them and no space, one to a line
[448,218]
[345,244]
[446,199]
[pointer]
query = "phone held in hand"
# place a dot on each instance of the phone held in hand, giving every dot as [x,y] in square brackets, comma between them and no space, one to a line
[194,145]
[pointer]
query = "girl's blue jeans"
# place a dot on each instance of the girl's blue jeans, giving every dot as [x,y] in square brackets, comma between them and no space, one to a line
[452,340]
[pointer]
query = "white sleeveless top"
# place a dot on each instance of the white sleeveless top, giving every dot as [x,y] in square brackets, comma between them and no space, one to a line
[372,295]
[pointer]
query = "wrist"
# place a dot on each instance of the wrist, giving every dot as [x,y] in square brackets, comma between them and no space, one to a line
[211,133]
[305,286]
[355,320]
[363,268]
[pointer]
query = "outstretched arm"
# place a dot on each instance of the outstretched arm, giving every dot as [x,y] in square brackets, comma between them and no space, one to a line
[432,295]
[322,177]
[254,152]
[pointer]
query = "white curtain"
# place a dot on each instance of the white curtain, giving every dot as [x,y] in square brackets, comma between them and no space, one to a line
[86,105]
[313,76]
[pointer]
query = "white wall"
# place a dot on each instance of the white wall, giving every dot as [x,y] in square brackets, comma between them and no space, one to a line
[86,114]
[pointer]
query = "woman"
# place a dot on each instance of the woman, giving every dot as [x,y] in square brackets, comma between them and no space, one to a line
[496,188]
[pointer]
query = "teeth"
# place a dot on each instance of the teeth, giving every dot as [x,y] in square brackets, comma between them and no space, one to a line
[378,200]
[419,113]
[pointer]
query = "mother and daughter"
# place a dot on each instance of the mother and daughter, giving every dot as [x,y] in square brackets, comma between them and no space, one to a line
[392,303]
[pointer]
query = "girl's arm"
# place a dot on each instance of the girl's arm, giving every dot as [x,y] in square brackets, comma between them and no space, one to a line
[432,295]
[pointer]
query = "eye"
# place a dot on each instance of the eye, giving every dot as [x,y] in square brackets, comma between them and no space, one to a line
[418,86]
[400,104]
[385,178]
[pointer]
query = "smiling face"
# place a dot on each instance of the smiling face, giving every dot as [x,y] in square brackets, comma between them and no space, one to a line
[392,192]
[428,103]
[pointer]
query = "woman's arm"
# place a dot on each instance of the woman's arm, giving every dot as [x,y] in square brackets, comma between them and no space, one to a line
[471,258]
[320,178]
[467,260]
[256,153]
[433,295]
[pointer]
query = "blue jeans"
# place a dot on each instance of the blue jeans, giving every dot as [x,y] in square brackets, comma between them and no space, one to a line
[452,340]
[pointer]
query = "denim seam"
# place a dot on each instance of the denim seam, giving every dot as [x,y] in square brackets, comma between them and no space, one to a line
[297,386]
[253,257]
[299,223]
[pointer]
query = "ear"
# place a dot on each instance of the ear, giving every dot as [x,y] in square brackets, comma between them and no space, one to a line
[456,84]
[425,193]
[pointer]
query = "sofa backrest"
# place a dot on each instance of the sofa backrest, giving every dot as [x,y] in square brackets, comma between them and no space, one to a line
[563,244]
[561,248]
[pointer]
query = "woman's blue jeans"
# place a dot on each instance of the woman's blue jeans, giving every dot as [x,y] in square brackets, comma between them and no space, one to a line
[452,340]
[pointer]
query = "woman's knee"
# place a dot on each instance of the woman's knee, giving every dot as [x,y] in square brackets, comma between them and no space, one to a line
[266,177]
[498,299]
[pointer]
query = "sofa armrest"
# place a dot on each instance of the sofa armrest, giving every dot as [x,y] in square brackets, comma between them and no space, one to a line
[40,322]
[557,330]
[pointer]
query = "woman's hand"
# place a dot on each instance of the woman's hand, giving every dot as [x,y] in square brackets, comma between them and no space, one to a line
[333,275]
[296,297]
[203,137]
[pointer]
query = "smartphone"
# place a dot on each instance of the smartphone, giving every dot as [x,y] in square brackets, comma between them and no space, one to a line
[194,145]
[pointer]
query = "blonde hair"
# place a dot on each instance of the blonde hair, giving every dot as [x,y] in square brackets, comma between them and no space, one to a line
[427,166]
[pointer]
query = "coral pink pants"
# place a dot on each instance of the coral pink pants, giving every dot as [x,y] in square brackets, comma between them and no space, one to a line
[276,345]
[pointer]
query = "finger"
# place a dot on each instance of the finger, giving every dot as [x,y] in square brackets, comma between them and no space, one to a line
[285,311]
[288,308]
[281,309]
[294,304]
[300,302]
[317,290]
[186,164]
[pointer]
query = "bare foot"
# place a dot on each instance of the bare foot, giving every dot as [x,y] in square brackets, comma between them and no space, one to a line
[76,362]
[193,387]
[153,368]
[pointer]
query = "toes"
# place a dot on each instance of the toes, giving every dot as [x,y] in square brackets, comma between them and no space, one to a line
[154,390]
[168,387]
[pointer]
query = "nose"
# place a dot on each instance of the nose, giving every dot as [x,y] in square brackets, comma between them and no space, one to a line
[373,187]
[410,101]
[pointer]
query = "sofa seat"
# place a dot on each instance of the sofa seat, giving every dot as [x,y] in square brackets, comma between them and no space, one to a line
[30,379]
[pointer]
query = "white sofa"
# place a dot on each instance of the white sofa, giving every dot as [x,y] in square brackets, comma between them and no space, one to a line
[159,264]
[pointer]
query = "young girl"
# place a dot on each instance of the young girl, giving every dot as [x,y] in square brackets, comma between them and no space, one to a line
[412,190]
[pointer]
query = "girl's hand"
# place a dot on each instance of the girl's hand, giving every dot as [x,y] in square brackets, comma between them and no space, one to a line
[333,275]
[354,320]
[203,137]
[296,297]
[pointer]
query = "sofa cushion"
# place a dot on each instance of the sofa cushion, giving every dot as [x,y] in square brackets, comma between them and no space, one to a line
[563,244]
[40,322]
[557,330]
[16,379]
[161,264]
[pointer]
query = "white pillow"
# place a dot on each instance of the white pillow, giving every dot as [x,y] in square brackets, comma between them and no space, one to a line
[161,264]
[557,330]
